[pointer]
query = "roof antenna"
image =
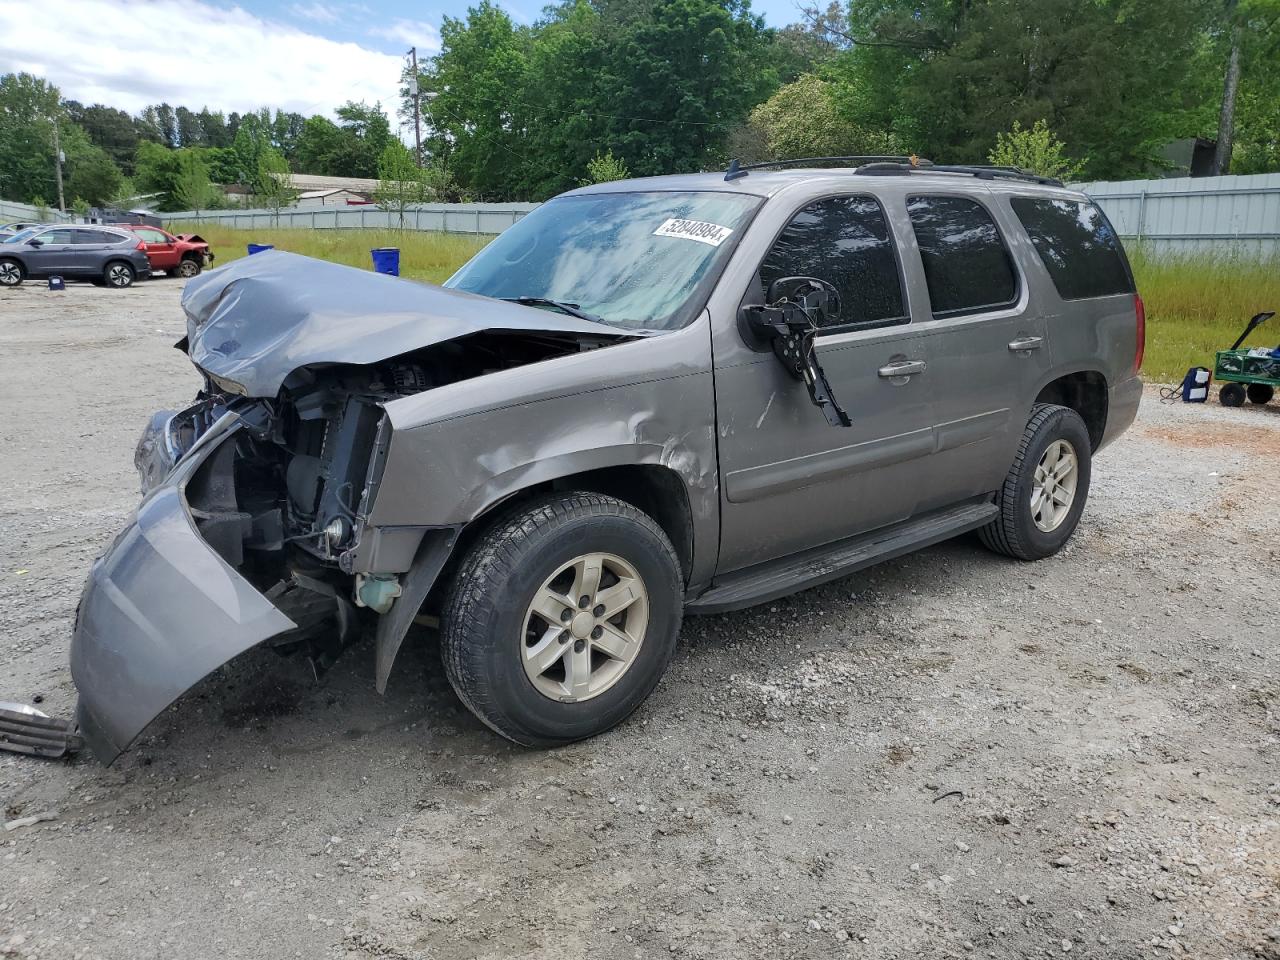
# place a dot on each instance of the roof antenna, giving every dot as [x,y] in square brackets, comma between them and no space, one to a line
[734,171]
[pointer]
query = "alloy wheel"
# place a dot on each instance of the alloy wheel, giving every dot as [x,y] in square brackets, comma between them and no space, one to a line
[584,627]
[118,275]
[188,268]
[1053,488]
[10,274]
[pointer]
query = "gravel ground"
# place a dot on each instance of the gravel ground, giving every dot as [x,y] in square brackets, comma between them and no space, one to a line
[949,755]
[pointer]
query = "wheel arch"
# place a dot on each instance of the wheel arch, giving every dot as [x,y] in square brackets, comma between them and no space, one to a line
[1085,392]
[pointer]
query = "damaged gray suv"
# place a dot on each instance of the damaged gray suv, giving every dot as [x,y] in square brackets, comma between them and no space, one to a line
[687,394]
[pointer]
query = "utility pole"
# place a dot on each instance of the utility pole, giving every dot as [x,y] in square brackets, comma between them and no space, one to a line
[417,109]
[57,165]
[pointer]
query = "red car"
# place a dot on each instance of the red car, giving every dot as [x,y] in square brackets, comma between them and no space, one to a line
[183,255]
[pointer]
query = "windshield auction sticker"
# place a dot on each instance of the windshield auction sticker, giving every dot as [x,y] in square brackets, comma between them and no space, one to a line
[700,230]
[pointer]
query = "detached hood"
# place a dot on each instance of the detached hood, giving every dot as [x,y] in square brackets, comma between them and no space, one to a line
[260,318]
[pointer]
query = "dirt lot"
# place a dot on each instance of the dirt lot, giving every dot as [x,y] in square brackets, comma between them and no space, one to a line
[950,755]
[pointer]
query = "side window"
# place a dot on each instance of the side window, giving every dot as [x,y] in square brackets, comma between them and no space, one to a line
[966,265]
[1077,246]
[83,237]
[56,236]
[845,241]
[152,236]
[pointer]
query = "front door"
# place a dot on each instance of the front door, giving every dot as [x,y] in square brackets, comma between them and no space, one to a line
[790,480]
[54,253]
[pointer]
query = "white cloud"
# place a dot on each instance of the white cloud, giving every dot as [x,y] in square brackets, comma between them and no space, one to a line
[132,53]
[319,12]
[410,33]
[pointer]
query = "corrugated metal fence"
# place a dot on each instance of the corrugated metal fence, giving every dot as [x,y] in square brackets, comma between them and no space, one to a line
[10,212]
[447,217]
[1232,216]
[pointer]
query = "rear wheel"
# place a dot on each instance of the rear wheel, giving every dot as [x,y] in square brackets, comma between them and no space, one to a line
[1045,490]
[1260,393]
[562,618]
[1232,394]
[188,268]
[10,273]
[118,274]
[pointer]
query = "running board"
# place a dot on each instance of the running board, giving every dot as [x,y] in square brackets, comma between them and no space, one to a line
[777,578]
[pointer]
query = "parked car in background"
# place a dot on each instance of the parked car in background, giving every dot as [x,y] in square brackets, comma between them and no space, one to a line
[9,229]
[104,255]
[181,255]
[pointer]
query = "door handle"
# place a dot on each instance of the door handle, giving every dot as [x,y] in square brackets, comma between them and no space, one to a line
[901,368]
[1025,344]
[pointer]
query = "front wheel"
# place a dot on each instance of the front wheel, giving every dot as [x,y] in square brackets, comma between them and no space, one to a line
[1045,490]
[562,618]
[118,275]
[10,273]
[188,268]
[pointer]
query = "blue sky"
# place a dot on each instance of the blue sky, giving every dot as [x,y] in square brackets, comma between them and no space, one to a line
[305,55]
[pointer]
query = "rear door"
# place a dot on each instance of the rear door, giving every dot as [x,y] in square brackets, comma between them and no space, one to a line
[789,479]
[990,352]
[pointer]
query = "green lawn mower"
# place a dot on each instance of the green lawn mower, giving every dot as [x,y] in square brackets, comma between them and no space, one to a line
[1251,374]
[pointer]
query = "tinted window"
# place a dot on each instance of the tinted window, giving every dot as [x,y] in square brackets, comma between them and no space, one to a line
[845,241]
[966,264]
[1077,245]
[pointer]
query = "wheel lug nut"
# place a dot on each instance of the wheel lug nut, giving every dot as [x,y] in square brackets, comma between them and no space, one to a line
[579,646]
[566,615]
[564,636]
[599,610]
[597,633]
[583,602]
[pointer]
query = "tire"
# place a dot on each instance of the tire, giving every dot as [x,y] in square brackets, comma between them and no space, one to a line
[1260,393]
[118,274]
[488,631]
[11,274]
[1018,531]
[188,268]
[1232,395]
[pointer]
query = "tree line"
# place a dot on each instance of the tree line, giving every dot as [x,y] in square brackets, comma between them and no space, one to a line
[598,89]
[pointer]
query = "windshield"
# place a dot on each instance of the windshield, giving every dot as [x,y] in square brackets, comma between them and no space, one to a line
[634,260]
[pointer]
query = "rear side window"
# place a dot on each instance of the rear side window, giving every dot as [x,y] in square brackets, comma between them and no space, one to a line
[98,236]
[1077,246]
[845,241]
[966,265]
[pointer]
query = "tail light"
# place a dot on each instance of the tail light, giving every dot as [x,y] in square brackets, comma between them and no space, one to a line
[141,246]
[1141,310]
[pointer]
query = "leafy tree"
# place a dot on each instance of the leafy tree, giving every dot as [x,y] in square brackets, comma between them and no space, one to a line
[80,206]
[28,105]
[1036,150]
[803,119]
[113,130]
[604,167]
[318,145]
[400,181]
[191,187]
[190,132]
[91,174]
[441,185]
[271,185]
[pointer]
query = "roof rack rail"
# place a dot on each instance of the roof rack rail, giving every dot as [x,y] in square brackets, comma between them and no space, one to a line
[981,171]
[737,170]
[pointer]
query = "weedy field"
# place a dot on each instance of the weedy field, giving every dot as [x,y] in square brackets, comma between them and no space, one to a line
[1195,305]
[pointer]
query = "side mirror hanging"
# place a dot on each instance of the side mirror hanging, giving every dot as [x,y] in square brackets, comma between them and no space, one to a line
[789,323]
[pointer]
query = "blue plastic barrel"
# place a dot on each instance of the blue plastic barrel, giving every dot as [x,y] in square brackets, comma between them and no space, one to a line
[259,247]
[386,260]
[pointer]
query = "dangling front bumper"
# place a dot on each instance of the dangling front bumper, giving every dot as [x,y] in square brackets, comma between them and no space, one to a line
[160,611]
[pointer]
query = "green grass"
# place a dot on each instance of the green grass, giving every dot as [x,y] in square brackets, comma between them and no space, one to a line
[1198,305]
[1195,305]
[423,256]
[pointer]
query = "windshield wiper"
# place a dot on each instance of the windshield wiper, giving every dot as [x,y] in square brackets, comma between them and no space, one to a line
[572,309]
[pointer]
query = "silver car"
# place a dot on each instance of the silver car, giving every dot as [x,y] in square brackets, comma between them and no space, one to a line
[105,255]
[647,399]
